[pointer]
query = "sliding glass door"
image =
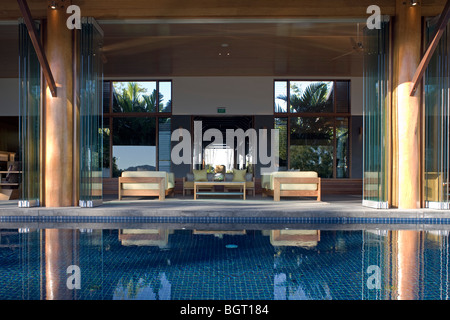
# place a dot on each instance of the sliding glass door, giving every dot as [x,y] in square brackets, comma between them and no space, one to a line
[436,159]
[30,120]
[376,104]
[91,114]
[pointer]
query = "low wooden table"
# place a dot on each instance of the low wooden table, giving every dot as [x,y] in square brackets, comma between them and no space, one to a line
[198,184]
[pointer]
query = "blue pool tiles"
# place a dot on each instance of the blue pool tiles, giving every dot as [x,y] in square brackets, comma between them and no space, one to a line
[194,265]
[208,219]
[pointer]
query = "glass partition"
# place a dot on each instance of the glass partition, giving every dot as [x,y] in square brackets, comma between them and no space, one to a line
[164,144]
[436,158]
[312,145]
[29,124]
[91,113]
[134,144]
[281,124]
[376,103]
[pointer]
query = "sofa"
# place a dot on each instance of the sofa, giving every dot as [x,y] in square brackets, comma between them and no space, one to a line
[188,181]
[146,183]
[291,184]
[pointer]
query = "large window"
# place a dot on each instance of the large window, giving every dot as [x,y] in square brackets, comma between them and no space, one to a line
[137,126]
[313,122]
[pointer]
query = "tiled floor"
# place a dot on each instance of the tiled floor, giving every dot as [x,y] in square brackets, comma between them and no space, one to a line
[343,210]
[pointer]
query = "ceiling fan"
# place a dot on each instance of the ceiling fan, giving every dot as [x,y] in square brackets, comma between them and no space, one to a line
[357,46]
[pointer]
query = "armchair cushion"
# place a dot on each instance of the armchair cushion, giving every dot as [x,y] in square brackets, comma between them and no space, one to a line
[170,180]
[267,180]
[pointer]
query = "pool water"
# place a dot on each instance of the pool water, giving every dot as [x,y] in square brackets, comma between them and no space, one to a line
[196,264]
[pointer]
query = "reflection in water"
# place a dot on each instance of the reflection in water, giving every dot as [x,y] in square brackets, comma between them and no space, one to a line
[162,264]
[61,251]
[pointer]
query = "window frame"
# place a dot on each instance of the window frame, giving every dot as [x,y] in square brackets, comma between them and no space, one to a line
[334,115]
[157,115]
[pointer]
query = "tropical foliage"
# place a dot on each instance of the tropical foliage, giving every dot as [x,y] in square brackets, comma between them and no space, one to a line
[133,97]
[315,98]
[311,137]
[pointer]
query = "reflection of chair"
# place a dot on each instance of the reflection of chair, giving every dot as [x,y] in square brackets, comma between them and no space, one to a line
[144,237]
[291,184]
[297,238]
[146,183]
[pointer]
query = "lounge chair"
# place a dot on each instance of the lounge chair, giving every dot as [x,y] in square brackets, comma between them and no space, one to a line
[291,184]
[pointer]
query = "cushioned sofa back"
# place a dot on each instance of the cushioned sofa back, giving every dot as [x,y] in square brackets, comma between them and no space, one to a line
[145,174]
[292,174]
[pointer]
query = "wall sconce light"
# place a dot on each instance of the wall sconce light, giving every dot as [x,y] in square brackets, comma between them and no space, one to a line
[414,3]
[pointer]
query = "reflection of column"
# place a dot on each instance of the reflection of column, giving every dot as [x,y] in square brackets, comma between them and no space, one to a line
[407,269]
[59,253]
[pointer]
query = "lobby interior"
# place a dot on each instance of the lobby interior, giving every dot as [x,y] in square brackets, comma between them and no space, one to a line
[229,58]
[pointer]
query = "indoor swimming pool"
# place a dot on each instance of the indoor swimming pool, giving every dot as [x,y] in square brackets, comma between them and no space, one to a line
[223,264]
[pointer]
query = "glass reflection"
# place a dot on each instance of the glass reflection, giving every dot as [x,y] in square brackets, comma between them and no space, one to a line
[312,144]
[165,264]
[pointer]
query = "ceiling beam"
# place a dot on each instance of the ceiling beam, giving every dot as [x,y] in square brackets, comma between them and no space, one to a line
[441,26]
[37,45]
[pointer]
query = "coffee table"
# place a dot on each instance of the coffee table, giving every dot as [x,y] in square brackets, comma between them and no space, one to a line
[199,184]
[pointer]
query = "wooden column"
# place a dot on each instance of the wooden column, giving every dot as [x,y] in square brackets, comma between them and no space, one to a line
[58,111]
[406,121]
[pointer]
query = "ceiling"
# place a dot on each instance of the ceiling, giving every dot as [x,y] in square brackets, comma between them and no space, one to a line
[149,49]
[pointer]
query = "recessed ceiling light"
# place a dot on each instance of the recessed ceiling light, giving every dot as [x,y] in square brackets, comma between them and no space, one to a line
[53,5]
[224,45]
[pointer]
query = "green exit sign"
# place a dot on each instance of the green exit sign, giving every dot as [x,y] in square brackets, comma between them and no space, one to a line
[221,110]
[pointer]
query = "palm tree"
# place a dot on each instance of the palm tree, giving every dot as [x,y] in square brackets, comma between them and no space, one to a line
[311,137]
[315,98]
[130,99]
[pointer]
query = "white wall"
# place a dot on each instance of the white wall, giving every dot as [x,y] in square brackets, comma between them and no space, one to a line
[239,95]
[357,96]
[9,97]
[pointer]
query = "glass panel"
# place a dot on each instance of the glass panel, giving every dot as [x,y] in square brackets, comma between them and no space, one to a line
[282,125]
[106,96]
[281,96]
[106,133]
[311,145]
[376,54]
[342,148]
[164,144]
[91,113]
[134,144]
[134,96]
[436,190]
[165,96]
[342,96]
[29,108]
[309,96]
